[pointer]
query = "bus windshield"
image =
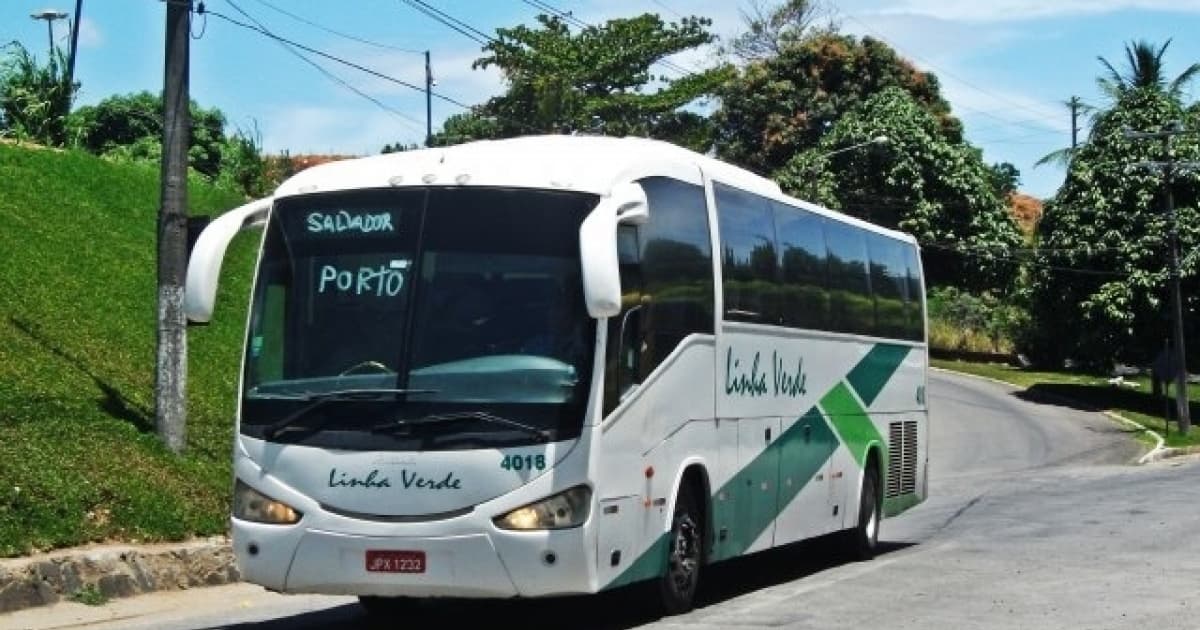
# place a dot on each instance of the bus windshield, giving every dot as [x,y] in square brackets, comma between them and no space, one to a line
[397,307]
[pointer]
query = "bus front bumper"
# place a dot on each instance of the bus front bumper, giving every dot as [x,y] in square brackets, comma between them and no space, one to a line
[479,564]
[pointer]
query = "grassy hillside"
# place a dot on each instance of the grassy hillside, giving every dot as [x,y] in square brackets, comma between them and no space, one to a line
[79,460]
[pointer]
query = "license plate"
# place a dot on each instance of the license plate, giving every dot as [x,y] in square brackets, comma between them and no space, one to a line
[388,561]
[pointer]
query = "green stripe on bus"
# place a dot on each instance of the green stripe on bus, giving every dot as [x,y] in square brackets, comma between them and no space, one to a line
[851,421]
[875,370]
[651,564]
[789,456]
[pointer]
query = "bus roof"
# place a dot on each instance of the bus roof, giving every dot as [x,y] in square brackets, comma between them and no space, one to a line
[592,164]
[585,163]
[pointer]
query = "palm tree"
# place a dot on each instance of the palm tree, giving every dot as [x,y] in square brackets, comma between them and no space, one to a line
[1144,71]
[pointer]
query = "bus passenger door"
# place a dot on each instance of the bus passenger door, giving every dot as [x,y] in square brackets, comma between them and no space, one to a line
[758,492]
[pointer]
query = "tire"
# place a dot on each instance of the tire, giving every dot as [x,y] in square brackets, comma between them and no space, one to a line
[862,541]
[685,554]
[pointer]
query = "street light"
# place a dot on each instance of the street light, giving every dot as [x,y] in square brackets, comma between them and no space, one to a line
[880,139]
[49,15]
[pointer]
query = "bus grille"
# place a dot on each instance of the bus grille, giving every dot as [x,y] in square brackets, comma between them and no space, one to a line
[902,458]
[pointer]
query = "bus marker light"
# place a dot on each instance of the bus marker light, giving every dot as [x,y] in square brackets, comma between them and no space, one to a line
[396,180]
[649,472]
[429,178]
[462,179]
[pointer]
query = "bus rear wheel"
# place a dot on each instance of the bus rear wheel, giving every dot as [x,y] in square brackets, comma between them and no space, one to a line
[685,545]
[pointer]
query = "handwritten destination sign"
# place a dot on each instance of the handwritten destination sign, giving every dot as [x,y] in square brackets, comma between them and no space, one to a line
[344,221]
[378,281]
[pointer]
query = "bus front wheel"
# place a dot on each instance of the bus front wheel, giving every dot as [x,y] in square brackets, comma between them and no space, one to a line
[862,541]
[685,544]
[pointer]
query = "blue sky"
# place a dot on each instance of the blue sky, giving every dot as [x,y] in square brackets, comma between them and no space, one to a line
[1005,65]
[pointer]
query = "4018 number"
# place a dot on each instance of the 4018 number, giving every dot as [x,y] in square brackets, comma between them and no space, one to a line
[523,462]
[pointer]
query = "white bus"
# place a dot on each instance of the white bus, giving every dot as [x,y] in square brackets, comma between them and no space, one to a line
[556,365]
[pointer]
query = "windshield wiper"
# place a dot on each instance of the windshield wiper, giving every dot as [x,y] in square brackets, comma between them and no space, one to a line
[542,435]
[316,400]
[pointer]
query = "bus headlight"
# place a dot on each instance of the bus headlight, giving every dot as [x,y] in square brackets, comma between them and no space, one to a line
[566,509]
[251,505]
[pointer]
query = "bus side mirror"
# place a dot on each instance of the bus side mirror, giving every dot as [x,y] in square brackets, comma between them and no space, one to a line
[204,264]
[598,247]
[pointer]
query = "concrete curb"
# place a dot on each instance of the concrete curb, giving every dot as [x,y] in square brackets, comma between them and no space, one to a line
[114,571]
[1159,452]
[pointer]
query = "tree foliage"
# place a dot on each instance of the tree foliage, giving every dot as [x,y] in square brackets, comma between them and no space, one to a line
[131,126]
[769,31]
[35,99]
[1100,283]
[1145,71]
[920,182]
[781,105]
[597,80]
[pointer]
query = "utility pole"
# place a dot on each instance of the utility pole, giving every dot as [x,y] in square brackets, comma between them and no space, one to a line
[170,399]
[428,101]
[1074,104]
[1168,167]
[74,47]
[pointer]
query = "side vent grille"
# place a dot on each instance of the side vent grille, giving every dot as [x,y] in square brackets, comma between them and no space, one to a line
[902,460]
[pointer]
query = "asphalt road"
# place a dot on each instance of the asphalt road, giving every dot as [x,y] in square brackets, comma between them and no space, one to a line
[1035,521]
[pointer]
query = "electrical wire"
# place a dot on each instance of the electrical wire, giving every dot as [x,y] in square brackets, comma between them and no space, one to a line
[451,22]
[348,36]
[411,121]
[359,67]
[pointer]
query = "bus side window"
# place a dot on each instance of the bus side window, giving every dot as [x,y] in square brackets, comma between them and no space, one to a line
[749,265]
[802,262]
[915,305]
[851,305]
[889,283]
[666,284]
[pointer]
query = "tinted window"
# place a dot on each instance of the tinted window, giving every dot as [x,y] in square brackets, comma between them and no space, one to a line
[851,308]
[915,311]
[889,283]
[803,297]
[749,260]
[666,282]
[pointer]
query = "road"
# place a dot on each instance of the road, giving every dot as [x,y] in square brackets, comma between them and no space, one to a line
[1035,521]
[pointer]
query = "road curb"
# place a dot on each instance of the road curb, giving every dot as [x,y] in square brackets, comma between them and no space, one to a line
[1159,452]
[111,571]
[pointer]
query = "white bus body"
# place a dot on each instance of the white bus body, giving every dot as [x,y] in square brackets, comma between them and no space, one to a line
[765,380]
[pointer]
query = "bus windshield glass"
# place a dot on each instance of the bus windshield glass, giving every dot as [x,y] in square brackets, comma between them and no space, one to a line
[398,308]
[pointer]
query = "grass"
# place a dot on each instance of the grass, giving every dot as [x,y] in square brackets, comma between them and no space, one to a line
[89,595]
[1093,393]
[79,460]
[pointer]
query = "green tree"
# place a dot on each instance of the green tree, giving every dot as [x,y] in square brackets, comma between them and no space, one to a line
[1145,71]
[596,80]
[35,99]
[131,126]
[920,182]
[780,105]
[1100,280]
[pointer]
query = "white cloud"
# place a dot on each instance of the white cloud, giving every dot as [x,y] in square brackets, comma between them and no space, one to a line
[342,130]
[983,11]
[90,35]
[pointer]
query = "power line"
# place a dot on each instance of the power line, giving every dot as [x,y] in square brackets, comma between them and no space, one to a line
[359,67]
[329,75]
[454,23]
[335,32]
